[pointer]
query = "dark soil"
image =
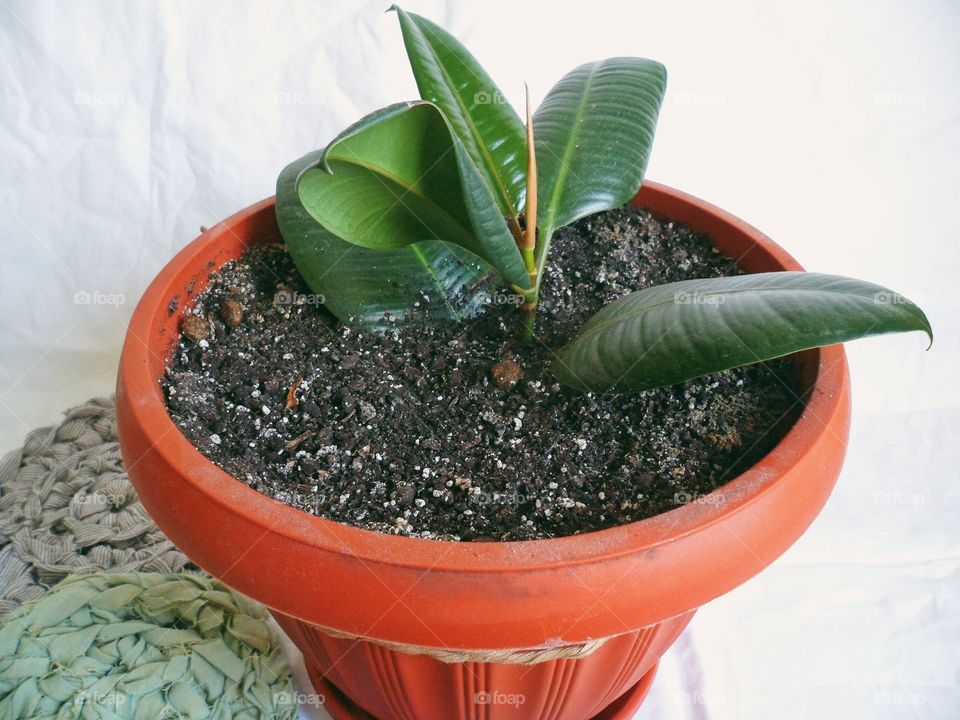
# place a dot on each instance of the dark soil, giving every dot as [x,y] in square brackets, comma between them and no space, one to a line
[428,431]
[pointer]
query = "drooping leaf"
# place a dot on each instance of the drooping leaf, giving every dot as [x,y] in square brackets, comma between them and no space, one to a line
[490,129]
[367,287]
[594,131]
[401,176]
[678,331]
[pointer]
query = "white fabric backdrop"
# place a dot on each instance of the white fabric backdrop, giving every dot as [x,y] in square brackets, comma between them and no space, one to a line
[834,128]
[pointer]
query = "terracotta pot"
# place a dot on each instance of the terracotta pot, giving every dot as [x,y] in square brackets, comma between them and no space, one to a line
[637,584]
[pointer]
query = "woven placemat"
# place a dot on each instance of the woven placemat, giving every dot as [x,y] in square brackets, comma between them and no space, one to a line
[67,507]
[134,646]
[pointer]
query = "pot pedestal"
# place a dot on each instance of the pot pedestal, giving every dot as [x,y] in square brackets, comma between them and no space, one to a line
[340,707]
[365,680]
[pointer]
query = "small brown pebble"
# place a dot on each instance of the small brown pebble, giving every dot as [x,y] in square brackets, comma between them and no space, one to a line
[506,374]
[195,327]
[232,312]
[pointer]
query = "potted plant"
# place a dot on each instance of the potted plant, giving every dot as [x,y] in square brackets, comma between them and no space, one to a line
[406,227]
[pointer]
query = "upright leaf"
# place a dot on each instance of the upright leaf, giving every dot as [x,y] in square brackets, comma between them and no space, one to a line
[593,138]
[489,128]
[401,176]
[367,287]
[678,331]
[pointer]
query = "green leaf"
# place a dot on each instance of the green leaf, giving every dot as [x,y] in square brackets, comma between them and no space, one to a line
[369,287]
[489,128]
[678,331]
[401,176]
[594,131]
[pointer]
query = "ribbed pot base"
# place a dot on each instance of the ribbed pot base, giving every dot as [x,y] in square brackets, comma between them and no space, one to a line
[340,707]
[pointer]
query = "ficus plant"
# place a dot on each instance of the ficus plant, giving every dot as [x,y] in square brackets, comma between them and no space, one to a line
[419,206]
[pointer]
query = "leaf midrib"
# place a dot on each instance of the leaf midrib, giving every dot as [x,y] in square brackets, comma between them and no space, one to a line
[647,308]
[474,130]
[407,188]
[568,152]
[436,282]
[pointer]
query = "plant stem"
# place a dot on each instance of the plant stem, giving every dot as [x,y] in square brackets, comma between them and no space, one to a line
[528,243]
[528,312]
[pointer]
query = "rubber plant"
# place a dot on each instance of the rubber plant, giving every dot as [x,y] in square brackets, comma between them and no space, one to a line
[419,206]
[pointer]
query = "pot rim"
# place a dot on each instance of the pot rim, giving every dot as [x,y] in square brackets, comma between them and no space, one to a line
[142,355]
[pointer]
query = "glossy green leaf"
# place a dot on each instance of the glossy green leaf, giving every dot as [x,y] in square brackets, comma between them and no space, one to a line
[367,287]
[678,331]
[401,176]
[490,129]
[594,131]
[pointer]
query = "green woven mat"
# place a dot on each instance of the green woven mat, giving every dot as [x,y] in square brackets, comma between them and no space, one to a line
[67,508]
[141,646]
[108,642]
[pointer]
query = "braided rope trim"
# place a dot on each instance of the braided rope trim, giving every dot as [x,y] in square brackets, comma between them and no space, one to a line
[67,507]
[142,645]
[507,656]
